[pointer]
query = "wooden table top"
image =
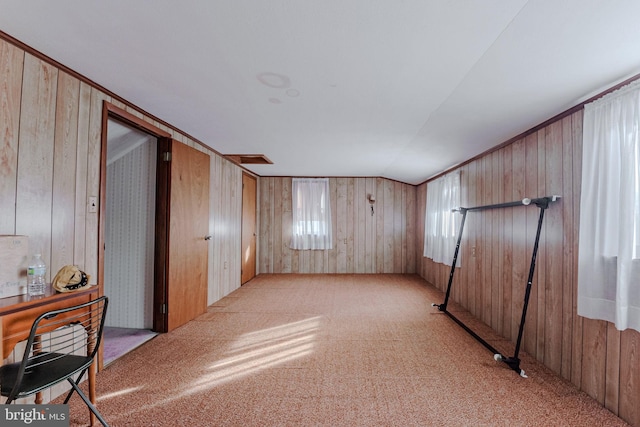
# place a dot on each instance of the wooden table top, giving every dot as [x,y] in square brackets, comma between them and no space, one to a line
[21,302]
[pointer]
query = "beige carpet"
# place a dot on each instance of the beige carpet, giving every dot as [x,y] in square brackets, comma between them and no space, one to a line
[332,350]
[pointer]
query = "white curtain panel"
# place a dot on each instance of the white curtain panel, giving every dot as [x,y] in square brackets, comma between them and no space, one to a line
[609,264]
[311,214]
[442,225]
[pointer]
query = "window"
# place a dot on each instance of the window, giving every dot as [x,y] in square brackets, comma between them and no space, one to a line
[311,214]
[609,257]
[441,224]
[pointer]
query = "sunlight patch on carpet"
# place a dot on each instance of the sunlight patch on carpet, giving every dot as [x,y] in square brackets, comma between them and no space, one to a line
[118,393]
[260,350]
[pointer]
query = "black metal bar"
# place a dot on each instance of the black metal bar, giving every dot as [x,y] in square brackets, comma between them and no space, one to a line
[523,202]
[443,306]
[532,268]
[471,332]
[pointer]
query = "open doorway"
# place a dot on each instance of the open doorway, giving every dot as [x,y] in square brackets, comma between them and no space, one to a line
[172,232]
[129,239]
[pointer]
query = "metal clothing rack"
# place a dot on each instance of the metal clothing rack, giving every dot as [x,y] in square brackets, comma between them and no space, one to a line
[543,204]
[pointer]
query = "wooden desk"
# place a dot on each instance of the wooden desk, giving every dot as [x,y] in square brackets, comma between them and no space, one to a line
[18,313]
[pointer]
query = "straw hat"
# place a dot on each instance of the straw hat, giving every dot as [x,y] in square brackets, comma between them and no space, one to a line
[70,279]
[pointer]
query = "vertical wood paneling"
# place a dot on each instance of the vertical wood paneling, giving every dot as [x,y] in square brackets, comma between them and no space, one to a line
[506,227]
[64,172]
[216,226]
[553,266]
[363,243]
[332,256]
[612,369]
[497,227]
[594,337]
[487,244]
[577,339]
[387,234]
[50,147]
[520,249]
[412,230]
[398,229]
[340,226]
[471,230]
[540,273]
[94,148]
[278,242]
[380,214]
[421,196]
[11,70]
[360,224]
[35,155]
[263,227]
[567,247]
[629,385]
[531,190]
[370,227]
[81,202]
[592,354]
[286,224]
[350,225]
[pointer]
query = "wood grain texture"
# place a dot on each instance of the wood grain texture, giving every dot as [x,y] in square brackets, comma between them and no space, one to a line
[629,384]
[64,173]
[249,230]
[225,224]
[362,242]
[11,69]
[35,156]
[50,146]
[591,354]
[577,321]
[612,369]
[80,188]
[189,222]
[553,272]
[567,246]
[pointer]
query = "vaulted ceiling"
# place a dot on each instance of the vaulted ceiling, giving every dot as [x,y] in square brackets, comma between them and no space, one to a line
[401,89]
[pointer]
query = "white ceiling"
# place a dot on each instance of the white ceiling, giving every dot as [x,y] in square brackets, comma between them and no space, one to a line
[391,88]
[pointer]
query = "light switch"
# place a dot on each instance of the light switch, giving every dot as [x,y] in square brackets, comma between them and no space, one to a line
[93,204]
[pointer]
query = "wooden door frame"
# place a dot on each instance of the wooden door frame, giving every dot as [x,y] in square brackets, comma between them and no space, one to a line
[110,111]
[255,227]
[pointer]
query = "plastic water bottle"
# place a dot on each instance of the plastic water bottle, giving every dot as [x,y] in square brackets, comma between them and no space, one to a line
[36,273]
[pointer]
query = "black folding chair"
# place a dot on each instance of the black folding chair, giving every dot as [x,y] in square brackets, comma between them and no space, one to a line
[62,344]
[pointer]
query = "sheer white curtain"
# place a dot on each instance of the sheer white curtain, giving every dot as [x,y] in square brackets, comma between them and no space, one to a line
[609,264]
[311,214]
[442,225]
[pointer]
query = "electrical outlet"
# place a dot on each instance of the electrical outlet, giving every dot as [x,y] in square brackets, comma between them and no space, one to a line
[473,251]
[226,265]
[93,204]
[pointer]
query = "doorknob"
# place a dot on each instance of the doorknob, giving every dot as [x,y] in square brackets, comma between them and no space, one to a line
[208,237]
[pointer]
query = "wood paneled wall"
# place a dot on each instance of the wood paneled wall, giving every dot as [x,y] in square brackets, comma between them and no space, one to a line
[363,243]
[496,252]
[50,144]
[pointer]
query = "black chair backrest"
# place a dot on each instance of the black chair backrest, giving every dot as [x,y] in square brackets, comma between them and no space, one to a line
[68,331]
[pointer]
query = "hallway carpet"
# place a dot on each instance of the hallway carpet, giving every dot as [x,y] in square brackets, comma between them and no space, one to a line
[120,341]
[332,350]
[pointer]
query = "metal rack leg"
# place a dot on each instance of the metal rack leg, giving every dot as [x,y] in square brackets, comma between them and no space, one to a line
[443,306]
